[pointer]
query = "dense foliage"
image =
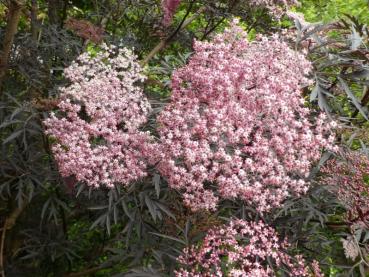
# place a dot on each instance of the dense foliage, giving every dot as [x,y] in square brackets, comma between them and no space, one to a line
[184,138]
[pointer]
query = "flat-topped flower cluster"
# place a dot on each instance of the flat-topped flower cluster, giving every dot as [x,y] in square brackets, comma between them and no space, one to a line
[97,126]
[238,249]
[237,127]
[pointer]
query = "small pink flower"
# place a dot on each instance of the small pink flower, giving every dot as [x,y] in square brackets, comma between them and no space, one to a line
[240,248]
[97,134]
[238,112]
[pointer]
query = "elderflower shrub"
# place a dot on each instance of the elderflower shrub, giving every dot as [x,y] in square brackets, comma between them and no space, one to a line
[240,249]
[97,126]
[237,127]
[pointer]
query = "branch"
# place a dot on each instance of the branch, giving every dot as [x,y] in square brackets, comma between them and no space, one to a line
[212,28]
[163,43]
[9,224]
[14,13]
[232,5]
[2,242]
[34,21]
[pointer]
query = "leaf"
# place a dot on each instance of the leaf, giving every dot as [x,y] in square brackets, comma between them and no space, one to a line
[355,39]
[98,221]
[156,182]
[108,227]
[9,122]
[16,112]
[169,237]
[319,27]
[363,147]
[352,97]
[5,188]
[165,210]
[44,208]
[366,237]
[351,139]
[322,102]
[362,270]
[80,189]
[324,158]
[62,204]
[110,199]
[13,136]
[115,214]
[314,93]
[125,209]
[298,25]
[15,101]
[358,234]
[158,256]
[187,229]
[359,74]
[152,209]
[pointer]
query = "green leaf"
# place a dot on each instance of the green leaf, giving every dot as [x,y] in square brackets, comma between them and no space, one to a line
[352,97]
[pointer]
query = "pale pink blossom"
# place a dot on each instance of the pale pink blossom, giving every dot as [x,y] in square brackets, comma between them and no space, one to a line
[316,269]
[237,127]
[238,249]
[97,125]
[350,247]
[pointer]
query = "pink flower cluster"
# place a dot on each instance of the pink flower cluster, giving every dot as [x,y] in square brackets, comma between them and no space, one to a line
[97,127]
[316,269]
[239,249]
[350,247]
[275,7]
[237,125]
[169,8]
[349,178]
